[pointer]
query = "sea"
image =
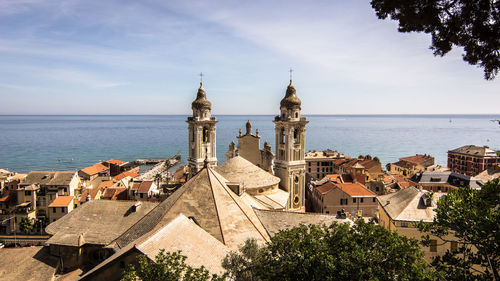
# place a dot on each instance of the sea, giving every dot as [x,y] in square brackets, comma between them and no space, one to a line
[64,142]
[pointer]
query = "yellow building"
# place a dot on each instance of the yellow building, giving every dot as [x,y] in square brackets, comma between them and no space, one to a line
[400,211]
[60,207]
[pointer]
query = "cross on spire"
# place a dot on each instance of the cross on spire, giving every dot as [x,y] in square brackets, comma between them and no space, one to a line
[291,70]
[201,77]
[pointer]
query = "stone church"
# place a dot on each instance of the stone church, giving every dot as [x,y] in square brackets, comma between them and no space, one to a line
[264,179]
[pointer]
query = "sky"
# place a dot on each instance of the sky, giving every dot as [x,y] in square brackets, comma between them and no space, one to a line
[144,57]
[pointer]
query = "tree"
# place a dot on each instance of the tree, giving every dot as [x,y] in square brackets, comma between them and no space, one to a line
[336,252]
[158,179]
[471,24]
[472,216]
[26,224]
[368,156]
[167,266]
[376,159]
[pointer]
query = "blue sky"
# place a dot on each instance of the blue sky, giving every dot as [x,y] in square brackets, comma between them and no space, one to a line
[144,57]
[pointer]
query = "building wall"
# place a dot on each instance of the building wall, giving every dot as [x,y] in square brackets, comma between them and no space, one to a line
[470,165]
[56,213]
[330,203]
[114,270]
[248,148]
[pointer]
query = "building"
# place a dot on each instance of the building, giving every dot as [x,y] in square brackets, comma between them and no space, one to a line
[144,190]
[320,163]
[201,135]
[290,164]
[408,166]
[60,207]
[471,160]
[400,211]
[339,198]
[249,148]
[444,181]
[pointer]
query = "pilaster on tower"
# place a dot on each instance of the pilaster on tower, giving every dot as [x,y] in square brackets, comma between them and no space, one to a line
[202,134]
[290,165]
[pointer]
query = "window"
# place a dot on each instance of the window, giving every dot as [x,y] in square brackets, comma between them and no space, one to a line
[453,246]
[295,136]
[361,200]
[404,224]
[353,200]
[54,210]
[373,199]
[327,212]
[27,193]
[296,115]
[433,246]
[205,135]
[62,209]
[282,135]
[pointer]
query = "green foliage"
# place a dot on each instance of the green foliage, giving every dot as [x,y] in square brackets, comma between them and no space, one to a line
[473,217]
[369,157]
[376,159]
[26,224]
[167,266]
[337,252]
[471,24]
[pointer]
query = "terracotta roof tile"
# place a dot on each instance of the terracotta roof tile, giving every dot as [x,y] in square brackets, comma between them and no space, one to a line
[144,186]
[126,174]
[105,184]
[94,169]
[116,162]
[325,188]
[92,192]
[62,201]
[355,189]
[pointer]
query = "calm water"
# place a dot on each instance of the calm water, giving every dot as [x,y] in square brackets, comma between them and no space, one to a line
[73,142]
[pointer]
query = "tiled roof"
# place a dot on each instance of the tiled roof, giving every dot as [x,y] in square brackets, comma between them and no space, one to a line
[105,184]
[62,201]
[49,177]
[355,190]
[115,193]
[92,192]
[126,174]
[116,162]
[335,178]
[474,150]
[325,188]
[94,169]
[207,198]
[418,159]
[100,222]
[142,187]
[5,198]
[404,164]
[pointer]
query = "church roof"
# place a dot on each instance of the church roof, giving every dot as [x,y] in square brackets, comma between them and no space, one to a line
[240,170]
[201,100]
[208,200]
[180,234]
[290,99]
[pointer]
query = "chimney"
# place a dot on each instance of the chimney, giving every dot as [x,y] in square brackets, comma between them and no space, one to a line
[135,207]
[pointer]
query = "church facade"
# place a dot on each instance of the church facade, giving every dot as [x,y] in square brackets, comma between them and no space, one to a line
[288,161]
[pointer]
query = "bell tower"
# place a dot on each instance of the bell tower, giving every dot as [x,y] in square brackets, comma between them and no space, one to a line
[290,165]
[201,139]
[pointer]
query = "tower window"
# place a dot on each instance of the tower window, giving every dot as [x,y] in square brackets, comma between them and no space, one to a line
[282,135]
[296,115]
[205,135]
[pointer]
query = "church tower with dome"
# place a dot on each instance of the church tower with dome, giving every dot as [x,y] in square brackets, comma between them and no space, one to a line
[201,137]
[290,165]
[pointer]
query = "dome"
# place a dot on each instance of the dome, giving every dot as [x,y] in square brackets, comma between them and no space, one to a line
[290,99]
[240,170]
[201,101]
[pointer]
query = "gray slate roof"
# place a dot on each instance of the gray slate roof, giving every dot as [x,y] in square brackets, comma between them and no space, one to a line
[49,177]
[100,222]
[27,263]
[452,178]
[395,203]
[274,221]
